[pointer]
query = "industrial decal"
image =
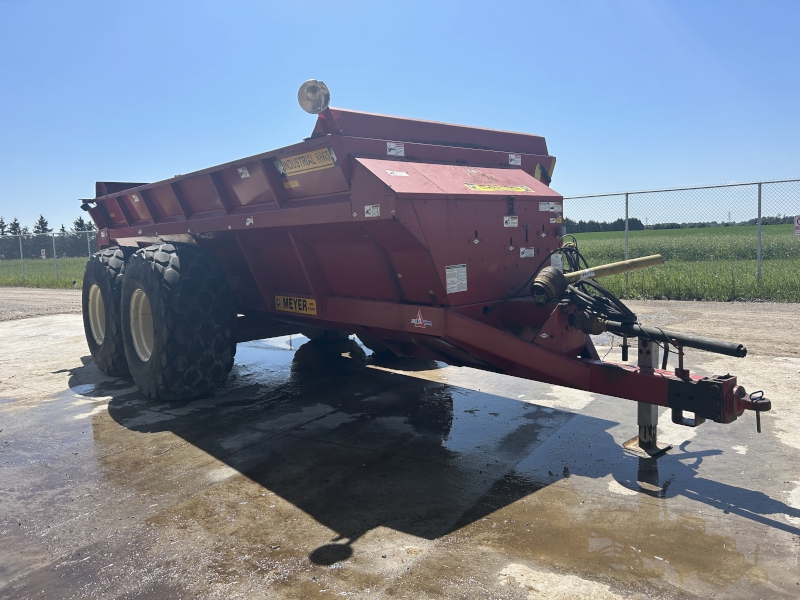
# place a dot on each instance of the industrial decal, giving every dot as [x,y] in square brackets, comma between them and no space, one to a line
[305,306]
[510,221]
[420,322]
[475,187]
[316,160]
[456,278]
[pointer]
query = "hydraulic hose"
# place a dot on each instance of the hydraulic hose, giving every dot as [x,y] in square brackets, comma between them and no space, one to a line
[683,339]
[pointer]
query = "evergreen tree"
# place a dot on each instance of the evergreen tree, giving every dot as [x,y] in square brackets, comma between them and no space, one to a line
[14,228]
[3,226]
[41,225]
[63,229]
[80,225]
[25,230]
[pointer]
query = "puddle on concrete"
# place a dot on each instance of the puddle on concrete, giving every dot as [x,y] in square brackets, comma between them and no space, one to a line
[319,462]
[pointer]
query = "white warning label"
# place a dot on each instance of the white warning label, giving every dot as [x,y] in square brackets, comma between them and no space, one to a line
[510,221]
[456,277]
[557,262]
[526,252]
[372,210]
[395,149]
[551,207]
[515,159]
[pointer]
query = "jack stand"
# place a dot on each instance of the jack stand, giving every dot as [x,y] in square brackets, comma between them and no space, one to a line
[646,445]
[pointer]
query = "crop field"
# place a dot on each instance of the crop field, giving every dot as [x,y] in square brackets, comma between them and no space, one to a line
[41,273]
[714,263]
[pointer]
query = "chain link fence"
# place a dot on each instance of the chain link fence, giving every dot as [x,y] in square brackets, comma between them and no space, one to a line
[45,260]
[720,242]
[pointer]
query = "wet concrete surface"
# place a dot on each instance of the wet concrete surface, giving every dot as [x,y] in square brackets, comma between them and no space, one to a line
[320,473]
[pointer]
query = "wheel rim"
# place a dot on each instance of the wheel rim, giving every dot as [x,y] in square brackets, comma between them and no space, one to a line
[141,324]
[97,314]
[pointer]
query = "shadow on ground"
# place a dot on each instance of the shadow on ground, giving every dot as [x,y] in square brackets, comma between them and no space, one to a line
[357,447]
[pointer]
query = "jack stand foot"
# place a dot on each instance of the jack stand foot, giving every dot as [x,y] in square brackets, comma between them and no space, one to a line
[632,447]
[646,445]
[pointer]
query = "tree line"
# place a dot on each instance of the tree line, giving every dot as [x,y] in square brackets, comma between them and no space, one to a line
[635,224]
[43,226]
[16,238]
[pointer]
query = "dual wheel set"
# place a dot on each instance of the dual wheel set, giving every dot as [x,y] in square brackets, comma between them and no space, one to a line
[164,314]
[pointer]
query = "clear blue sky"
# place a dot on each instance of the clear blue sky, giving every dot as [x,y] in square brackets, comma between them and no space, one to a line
[629,94]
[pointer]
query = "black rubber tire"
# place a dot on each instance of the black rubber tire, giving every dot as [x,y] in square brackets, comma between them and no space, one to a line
[194,321]
[105,269]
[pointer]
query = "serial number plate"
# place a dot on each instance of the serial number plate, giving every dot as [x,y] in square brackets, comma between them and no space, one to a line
[306,306]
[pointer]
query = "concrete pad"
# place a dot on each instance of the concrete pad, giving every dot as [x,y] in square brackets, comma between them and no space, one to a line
[324,476]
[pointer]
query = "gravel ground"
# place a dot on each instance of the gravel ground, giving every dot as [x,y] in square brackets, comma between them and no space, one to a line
[766,328]
[21,303]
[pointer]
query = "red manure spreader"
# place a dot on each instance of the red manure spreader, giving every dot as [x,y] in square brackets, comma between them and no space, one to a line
[423,239]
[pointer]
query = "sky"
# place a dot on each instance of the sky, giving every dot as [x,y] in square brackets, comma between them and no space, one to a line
[629,94]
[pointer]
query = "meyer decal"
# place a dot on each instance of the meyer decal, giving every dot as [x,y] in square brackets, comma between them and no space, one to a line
[498,188]
[316,160]
[420,322]
[306,306]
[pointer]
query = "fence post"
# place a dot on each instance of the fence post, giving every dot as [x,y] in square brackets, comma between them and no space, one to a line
[55,259]
[22,260]
[88,245]
[626,232]
[758,251]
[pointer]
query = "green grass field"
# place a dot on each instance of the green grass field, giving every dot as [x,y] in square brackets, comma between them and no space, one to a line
[716,263]
[41,273]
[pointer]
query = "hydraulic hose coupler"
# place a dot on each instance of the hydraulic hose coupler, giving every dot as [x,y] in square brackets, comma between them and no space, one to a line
[587,323]
[549,284]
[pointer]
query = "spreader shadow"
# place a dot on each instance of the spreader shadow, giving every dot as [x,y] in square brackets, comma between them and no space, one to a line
[357,447]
